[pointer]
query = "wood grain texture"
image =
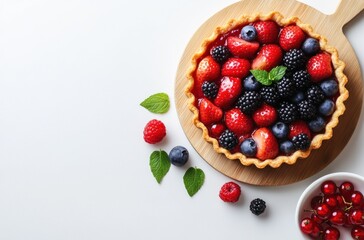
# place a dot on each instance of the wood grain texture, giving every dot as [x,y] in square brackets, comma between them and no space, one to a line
[329,26]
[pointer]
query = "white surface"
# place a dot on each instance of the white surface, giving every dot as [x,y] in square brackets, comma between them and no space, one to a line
[73,164]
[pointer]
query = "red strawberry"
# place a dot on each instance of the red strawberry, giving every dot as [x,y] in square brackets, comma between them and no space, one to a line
[209,113]
[241,48]
[229,91]
[268,57]
[267,145]
[208,70]
[291,37]
[238,122]
[298,127]
[265,115]
[236,67]
[319,67]
[216,130]
[267,31]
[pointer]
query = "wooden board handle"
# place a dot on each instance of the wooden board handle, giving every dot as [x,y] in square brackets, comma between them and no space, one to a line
[347,10]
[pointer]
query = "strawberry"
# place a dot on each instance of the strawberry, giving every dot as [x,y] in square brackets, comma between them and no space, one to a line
[208,70]
[209,113]
[241,48]
[267,31]
[229,91]
[236,67]
[268,57]
[298,127]
[319,67]
[216,130]
[238,122]
[291,37]
[265,115]
[267,145]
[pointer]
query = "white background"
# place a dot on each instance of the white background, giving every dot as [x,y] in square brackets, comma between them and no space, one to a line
[73,164]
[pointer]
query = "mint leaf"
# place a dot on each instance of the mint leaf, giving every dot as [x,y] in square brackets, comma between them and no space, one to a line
[159,164]
[193,180]
[156,103]
[277,73]
[262,76]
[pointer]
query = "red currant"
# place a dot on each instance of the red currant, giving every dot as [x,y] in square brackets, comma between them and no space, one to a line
[337,217]
[356,216]
[346,189]
[323,211]
[357,233]
[307,225]
[331,233]
[357,198]
[328,187]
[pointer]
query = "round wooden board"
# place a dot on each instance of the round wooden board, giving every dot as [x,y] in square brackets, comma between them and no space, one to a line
[329,26]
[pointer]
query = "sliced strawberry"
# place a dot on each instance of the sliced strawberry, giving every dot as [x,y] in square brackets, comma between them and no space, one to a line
[238,122]
[241,48]
[291,37]
[236,67]
[267,144]
[265,116]
[209,113]
[267,31]
[319,67]
[216,130]
[268,57]
[298,127]
[229,91]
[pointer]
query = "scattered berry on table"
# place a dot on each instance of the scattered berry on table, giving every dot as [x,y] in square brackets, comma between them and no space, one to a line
[154,131]
[311,46]
[220,53]
[248,147]
[329,87]
[280,130]
[251,84]
[327,107]
[287,147]
[249,101]
[178,156]
[248,33]
[228,140]
[257,206]
[294,59]
[230,192]
[209,89]
[301,142]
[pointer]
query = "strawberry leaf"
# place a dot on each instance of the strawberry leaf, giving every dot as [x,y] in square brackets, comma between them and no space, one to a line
[159,164]
[156,103]
[193,180]
[277,73]
[262,76]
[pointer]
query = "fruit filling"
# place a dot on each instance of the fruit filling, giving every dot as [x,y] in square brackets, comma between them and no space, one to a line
[265,90]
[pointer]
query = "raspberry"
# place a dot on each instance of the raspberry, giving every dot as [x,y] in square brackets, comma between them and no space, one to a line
[154,131]
[230,192]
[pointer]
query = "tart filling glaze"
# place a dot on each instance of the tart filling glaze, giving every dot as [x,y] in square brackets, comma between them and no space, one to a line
[231,115]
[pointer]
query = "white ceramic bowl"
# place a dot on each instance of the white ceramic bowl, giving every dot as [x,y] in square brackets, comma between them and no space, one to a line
[313,189]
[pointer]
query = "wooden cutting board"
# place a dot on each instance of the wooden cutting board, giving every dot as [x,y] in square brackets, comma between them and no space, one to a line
[330,26]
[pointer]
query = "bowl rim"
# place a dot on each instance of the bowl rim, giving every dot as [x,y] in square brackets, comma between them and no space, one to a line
[314,184]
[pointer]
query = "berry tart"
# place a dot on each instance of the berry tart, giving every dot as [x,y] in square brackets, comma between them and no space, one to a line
[266,90]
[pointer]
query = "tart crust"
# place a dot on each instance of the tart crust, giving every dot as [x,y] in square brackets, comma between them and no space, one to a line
[316,142]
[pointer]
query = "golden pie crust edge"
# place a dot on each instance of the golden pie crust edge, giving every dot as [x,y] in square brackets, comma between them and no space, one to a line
[319,138]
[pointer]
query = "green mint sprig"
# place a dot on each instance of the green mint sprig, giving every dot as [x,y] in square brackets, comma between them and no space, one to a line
[193,180]
[267,78]
[159,164]
[157,103]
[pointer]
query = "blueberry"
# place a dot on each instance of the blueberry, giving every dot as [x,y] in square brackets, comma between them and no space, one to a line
[248,147]
[329,87]
[286,147]
[298,97]
[178,156]
[327,107]
[317,124]
[310,46]
[248,33]
[280,130]
[251,84]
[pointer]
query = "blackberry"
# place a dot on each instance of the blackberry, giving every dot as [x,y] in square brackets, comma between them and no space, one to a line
[287,112]
[249,101]
[228,140]
[286,87]
[270,95]
[294,59]
[257,206]
[307,110]
[209,89]
[301,141]
[220,53]
[301,79]
[315,94]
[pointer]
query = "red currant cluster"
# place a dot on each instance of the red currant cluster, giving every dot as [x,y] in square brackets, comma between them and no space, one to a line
[336,205]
